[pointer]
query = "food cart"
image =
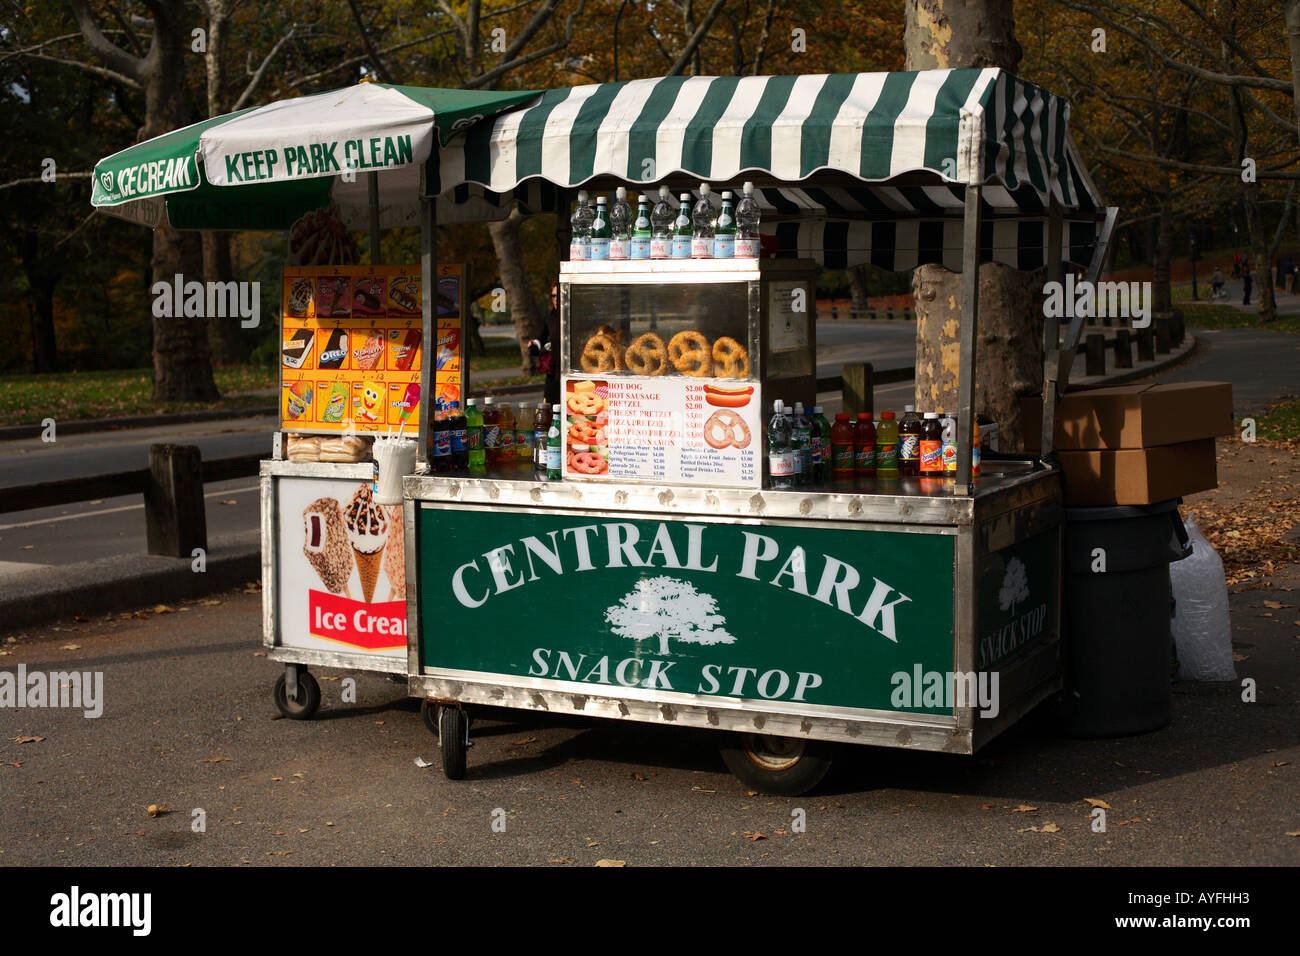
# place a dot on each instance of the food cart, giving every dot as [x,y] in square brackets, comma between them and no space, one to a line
[661,580]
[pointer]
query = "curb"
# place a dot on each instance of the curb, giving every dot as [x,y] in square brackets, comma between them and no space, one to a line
[126,582]
[17,432]
[1119,377]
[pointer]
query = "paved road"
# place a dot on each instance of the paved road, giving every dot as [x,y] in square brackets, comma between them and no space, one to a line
[1263,366]
[190,723]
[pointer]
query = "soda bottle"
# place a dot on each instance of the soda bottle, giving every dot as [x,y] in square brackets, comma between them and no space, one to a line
[842,448]
[931,446]
[816,455]
[975,452]
[554,453]
[661,226]
[887,447]
[505,435]
[702,233]
[580,230]
[474,437]
[909,443]
[523,438]
[801,442]
[682,229]
[541,427]
[864,447]
[780,456]
[491,432]
[620,226]
[641,234]
[441,460]
[458,427]
[824,439]
[948,429]
[600,232]
[724,236]
[747,243]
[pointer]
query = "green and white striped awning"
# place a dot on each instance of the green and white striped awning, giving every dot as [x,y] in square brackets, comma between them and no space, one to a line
[931,127]
[262,168]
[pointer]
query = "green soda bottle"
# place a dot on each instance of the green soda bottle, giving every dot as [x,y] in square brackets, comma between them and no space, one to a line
[554,453]
[823,427]
[474,437]
[887,446]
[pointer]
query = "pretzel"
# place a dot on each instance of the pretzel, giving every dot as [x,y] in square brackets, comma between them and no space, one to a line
[586,433]
[725,428]
[609,330]
[601,354]
[588,463]
[585,403]
[647,355]
[689,353]
[730,360]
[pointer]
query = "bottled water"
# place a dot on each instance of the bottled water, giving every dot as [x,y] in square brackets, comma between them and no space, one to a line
[747,242]
[724,236]
[801,442]
[641,236]
[620,226]
[682,228]
[661,226]
[580,226]
[600,232]
[780,456]
[703,216]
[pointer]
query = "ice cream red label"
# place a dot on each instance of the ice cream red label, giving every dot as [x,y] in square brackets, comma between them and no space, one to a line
[372,627]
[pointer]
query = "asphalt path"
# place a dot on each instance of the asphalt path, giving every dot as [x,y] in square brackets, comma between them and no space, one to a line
[188,722]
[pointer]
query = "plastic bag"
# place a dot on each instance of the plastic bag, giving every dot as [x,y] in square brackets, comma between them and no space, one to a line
[1202,632]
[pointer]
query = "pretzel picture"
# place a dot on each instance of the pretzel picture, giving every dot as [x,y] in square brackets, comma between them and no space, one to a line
[647,355]
[602,354]
[724,429]
[586,402]
[588,463]
[586,433]
[730,360]
[690,355]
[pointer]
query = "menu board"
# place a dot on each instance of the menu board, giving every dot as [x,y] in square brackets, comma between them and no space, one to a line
[352,346]
[675,430]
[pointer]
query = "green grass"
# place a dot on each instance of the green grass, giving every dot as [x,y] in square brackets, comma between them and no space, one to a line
[512,380]
[69,396]
[1220,316]
[500,354]
[1279,423]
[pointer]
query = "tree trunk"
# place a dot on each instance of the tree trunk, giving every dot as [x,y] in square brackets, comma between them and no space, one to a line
[1008,358]
[940,34]
[226,338]
[1162,296]
[858,288]
[1259,253]
[45,350]
[514,279]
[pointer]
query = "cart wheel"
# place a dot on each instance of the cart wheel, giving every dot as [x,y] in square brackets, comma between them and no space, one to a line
[308,697]
[784,766]
[453,738]
[429,711]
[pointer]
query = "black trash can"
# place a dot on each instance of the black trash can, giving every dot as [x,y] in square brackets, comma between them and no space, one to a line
[1117,610]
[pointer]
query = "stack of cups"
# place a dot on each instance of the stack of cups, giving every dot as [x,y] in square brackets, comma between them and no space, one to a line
[394,459]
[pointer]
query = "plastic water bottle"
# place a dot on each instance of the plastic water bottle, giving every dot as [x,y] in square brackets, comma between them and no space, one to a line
[620,226]
[641,234]
[600,232]
[780,456]
[580,230]
[703,216]
[682,228]
[801,442]
[661,226]
[747,242]
[724,236]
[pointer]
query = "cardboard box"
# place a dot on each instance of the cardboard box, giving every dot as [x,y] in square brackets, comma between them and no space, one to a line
[1134,416]
[1138,476]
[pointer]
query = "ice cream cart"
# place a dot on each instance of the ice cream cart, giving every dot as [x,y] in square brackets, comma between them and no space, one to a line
[663,580]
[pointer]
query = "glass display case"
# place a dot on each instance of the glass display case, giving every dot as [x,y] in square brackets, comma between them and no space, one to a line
[668,365]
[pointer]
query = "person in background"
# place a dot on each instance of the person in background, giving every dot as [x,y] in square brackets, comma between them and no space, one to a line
[1247,282]
[1288,275]
[1216,282]
[547,361]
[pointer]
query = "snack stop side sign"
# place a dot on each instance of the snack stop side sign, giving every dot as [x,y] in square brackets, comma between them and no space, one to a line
[799,615]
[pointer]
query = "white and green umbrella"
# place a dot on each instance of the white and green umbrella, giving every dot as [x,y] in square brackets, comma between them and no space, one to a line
[262,168]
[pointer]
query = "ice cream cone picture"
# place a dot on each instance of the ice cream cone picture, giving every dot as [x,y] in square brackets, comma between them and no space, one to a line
[325,543]
[367,533]
[395,555]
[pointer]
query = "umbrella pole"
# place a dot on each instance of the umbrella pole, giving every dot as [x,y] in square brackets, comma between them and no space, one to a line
[372,186]
[428,293]
[970,289]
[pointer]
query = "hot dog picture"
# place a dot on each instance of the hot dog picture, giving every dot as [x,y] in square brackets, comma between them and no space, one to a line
[728,397]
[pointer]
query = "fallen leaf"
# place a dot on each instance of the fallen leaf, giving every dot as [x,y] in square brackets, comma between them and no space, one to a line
[27,740]
[156,809]
[214,759]
[209,602]
[71,647]
[561,859]
[1024,808]
[422,763]
[593,843]
[230,501]
[1050,828]
[1094,802]
[703,790]
[276,779]
[611,863]
[1293,833]
[1240,657]
[163,609]
[259,653]
[1274,605]
[1280,763]
[752,835]
[26,547]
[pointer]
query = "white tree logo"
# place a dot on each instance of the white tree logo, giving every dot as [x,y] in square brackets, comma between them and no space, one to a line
[1015,586]
[665,608]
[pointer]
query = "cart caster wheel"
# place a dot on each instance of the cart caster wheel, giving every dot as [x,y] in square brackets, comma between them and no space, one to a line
[429,711]
[783,766]
[453,738]
[308,697]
